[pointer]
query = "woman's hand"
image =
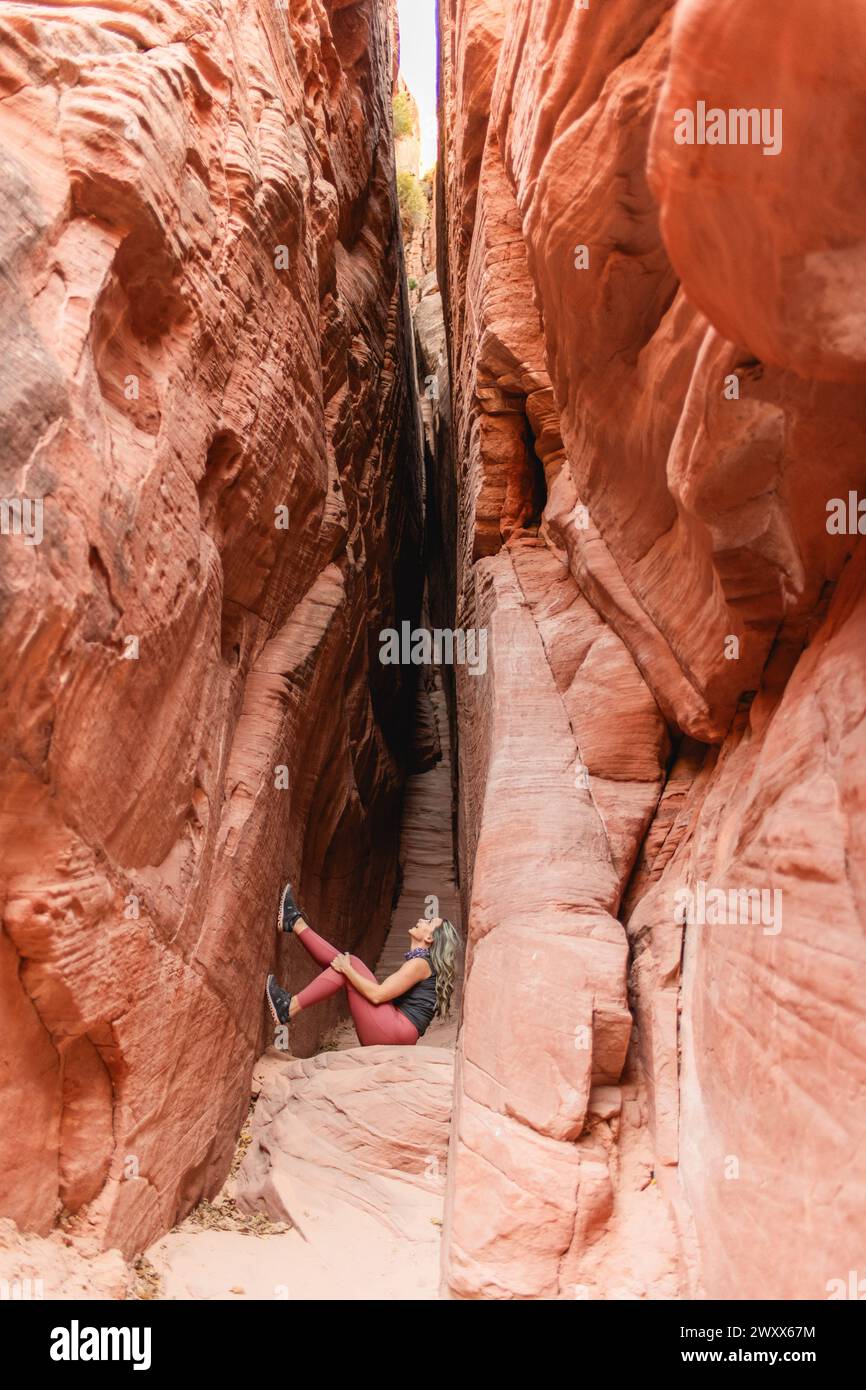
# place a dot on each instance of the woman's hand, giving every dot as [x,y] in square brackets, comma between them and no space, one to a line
[342,963]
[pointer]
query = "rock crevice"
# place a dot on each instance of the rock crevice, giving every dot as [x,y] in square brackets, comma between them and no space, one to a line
[603,421]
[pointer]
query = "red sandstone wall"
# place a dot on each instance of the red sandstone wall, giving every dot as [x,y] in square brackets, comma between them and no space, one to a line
[621,521]
[166,385]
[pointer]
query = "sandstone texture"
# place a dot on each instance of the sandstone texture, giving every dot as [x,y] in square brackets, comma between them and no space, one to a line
[366,1126]
[797,299]
[341,1180]
[654,351]
[339,1186]
[640,365]
[207,385]
[56,1267]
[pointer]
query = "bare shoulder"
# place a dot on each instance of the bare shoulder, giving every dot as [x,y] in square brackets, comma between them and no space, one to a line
[420,967]
[411,973]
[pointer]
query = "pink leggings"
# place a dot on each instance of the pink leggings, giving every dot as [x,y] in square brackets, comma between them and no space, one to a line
[374,1023]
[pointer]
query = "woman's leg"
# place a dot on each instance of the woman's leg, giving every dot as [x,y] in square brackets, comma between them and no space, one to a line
[374,1023]
[380,1023]
[321,950]
[330,982]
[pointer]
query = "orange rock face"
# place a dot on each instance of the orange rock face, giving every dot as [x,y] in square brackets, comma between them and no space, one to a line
[796,300]
[364,1128]
[653,350]
[205,386]
[644,446]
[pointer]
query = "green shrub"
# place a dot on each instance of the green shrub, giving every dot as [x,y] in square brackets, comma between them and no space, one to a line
[410,195]
[403,123]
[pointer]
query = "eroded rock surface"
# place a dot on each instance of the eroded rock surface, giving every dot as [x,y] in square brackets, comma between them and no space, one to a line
[342,1173]
[341,1182]
[365,1126]
[675,686]
[207,386]
[58,1267]
[656,357]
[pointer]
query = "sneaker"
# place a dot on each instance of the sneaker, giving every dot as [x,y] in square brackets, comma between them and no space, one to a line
[289,911]
[278,1001]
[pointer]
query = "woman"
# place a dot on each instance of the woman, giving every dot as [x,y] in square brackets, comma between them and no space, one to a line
[397,1011]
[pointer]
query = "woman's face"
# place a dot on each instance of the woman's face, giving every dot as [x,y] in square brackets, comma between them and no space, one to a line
[422,932]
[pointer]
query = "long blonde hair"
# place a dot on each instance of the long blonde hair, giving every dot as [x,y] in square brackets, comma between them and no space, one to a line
[444,955]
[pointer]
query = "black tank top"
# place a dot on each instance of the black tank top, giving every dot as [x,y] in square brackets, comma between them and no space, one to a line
[419,1003]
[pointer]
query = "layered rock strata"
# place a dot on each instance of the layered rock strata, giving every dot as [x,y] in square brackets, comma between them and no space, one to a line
[675,688]
[207,390]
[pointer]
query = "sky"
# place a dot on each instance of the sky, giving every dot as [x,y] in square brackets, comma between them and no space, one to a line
[418,66]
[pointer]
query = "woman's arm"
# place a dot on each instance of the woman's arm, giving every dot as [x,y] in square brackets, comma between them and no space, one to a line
[391,988]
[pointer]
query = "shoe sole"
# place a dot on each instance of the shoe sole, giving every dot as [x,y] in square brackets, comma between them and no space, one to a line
[284,931]
[274,1015]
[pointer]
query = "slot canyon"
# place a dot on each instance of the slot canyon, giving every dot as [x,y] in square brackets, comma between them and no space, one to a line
[581,391]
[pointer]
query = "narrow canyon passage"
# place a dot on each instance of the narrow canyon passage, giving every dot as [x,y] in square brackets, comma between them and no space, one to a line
[585,399]
[343,1155]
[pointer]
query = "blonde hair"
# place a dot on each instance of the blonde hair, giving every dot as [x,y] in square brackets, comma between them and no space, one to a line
[444,954]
